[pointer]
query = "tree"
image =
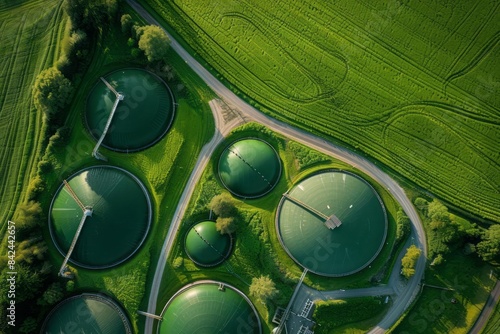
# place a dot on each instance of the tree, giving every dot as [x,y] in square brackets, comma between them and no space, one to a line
[225,225]
[437,211]
[421,203]
[28,282]
[90,15]
[127,23]
[489,247]
[27,214]
[409,261]
[35,187]
[223,205]
[51,91]
[403,228]
[154,42]
[263,289]
[52,295]
[439,259]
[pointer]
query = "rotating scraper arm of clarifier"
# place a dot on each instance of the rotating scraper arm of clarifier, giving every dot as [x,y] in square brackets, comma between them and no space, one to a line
[119,97]
[330,222]
[87,212]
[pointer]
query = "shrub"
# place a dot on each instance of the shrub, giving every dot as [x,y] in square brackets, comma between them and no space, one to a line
[70,286]
[52,295]
[35,187]
[127,23]
[178,262]
[334,313]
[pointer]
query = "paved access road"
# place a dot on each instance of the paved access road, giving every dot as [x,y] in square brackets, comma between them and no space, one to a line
[249,113]
[489,307]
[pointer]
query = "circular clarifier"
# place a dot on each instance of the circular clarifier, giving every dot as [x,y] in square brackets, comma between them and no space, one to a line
[332,223]
[205,246]
[142,117]
[117,212]
[249,168]
[208,307]
[87,313]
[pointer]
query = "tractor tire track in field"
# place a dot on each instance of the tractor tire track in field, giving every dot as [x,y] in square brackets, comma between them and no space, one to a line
[323,94]
[436,81]
[489,46]
[465,136]
[22,124]
[474,37]
[6,155]
[466,142]
[9,68]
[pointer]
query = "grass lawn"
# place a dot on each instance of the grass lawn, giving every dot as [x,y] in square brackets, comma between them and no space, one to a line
[411,84]
[434,312]
[191,129]
[493,325]
[31,32]
[257,250]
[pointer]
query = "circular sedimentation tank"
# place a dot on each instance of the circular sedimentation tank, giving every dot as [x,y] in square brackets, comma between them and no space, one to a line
[119,222]
[332,223]
[209,307]
[141,119]
[249,168]
[205,246]
[87,313]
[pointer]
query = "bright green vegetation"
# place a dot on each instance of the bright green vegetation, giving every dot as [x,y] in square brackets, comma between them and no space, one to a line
[204,308]
[411,84]
[120,220]
[409,261]
[205,246]
[31,33]
[249,168]
[87,314]
[307,222]
[330,315]
[256,250]
[141,118]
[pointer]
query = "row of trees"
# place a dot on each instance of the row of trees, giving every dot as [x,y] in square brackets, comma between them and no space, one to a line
[36,288]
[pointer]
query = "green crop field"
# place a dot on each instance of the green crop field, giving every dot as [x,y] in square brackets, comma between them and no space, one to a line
[30,36]
[411,84]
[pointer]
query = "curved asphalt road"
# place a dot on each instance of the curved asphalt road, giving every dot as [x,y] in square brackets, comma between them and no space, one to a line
[489,307]
[405,297]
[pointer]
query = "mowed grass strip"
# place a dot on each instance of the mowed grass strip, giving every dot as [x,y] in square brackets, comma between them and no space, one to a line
[376,77]
[30,31]
[436,311]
